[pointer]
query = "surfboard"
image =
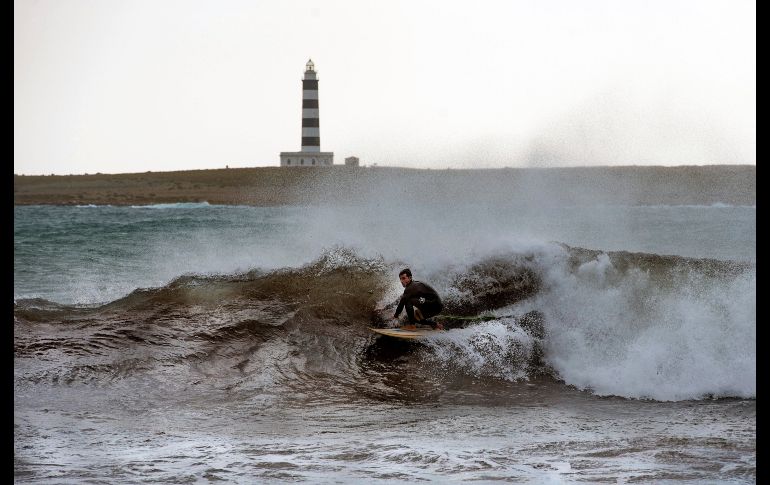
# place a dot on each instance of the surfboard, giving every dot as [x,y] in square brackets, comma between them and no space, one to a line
[405,334]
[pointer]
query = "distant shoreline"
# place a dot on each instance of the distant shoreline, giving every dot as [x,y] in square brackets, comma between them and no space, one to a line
[273,186]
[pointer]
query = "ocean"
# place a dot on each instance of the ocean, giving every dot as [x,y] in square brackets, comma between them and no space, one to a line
[198,343]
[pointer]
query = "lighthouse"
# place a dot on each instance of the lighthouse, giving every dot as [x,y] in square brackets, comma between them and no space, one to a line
[310,154]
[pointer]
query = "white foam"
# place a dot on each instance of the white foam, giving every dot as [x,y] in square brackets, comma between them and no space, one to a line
[496,348]
[630,336]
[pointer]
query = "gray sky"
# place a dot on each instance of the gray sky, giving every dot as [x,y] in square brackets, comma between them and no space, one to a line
[117,86]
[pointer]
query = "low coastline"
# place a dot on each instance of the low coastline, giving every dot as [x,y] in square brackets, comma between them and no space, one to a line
[272,186]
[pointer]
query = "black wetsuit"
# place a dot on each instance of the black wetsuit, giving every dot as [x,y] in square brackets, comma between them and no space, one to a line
[418,294]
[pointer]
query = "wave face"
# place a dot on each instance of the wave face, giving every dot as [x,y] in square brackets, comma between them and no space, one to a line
[635,325]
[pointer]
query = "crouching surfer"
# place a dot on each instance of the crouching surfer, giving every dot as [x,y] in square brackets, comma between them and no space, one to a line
[420,301]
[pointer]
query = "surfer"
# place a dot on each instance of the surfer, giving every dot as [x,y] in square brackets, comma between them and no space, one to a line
[420,300]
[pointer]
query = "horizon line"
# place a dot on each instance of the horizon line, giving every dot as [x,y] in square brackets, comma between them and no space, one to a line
[377,166]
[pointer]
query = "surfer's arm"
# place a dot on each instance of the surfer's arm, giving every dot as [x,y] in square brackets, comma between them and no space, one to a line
[405,303]
[399,307]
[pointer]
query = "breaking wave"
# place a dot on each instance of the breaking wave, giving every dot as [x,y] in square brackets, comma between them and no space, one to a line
[635,325]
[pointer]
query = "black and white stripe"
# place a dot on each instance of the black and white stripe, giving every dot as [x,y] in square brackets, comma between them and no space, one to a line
[311,154]
[311,134]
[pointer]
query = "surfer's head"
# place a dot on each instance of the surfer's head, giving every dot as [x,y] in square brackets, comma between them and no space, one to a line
[405,276]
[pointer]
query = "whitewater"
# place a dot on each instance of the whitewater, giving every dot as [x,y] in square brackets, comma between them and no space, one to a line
[195,343]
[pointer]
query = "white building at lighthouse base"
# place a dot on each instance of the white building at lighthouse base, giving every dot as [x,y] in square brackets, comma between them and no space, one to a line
[307,159]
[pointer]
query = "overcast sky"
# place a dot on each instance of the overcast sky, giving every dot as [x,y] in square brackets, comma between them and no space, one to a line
[118,86]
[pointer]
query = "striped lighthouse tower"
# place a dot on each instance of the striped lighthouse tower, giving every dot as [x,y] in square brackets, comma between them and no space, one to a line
[311,131]
[310,154]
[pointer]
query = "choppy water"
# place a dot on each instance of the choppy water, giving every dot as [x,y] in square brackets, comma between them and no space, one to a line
[194,343]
